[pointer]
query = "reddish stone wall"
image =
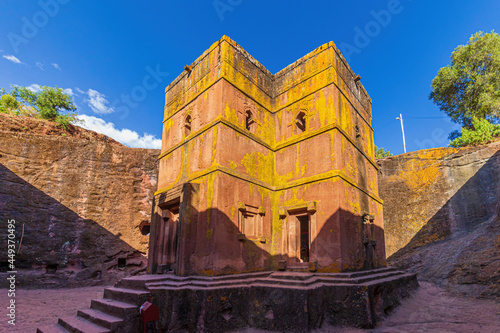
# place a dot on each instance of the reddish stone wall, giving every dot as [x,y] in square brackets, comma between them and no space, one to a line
[326,172]
[441,213]
[81,203]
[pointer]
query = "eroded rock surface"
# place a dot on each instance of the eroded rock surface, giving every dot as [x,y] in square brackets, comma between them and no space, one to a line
[80,199]
[441,216]
[13,123]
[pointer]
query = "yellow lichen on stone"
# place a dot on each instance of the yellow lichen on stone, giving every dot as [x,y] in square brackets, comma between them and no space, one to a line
[233,165]
[233,211]
[231,115]
[168,124]
[266,129]
[214,145]
[210,182]
[260,166]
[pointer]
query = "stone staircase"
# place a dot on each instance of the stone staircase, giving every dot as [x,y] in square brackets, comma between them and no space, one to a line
[274,279]
[118,311]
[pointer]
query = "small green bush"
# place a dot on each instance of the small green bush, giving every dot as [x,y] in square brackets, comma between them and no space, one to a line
[64,120]
[483,132]
[381,153]
[9,104]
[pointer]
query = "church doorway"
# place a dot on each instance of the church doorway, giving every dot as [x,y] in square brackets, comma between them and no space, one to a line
[168,238]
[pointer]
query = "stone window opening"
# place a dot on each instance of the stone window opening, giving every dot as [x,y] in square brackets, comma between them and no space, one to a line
[250,222]
[51,268]
[145,228]
[300,122]
[187,125]
[122,262]
[249,122]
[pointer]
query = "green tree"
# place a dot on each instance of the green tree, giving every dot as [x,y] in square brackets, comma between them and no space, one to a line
[483,132]
[470,86]
[381,153]
[48,103]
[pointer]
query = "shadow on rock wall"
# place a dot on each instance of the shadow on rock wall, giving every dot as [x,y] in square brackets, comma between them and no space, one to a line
[458,246]
[59,247]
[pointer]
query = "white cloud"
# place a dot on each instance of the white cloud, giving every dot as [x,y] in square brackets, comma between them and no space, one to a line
[68,91]
[80,90]
[39,65]
[125,136]
[12,58]
[56,66]
[34,87]
[98,102]
[37,88]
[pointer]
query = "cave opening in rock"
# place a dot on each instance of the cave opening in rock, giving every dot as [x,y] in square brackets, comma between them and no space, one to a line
[122,262]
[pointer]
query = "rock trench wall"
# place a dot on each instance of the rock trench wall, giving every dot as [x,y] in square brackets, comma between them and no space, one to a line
[441,216]
[80,202]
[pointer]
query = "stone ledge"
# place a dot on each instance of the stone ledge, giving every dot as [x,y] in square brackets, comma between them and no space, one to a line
[280,301]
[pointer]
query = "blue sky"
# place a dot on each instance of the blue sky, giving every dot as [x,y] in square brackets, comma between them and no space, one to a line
[116,57]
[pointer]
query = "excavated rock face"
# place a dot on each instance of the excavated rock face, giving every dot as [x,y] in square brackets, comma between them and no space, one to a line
[13,123]
[81,201]
[441,214]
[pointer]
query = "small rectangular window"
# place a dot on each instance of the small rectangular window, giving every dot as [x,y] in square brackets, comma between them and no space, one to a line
[250,122]
[250,221]
[187,125]
[300,122]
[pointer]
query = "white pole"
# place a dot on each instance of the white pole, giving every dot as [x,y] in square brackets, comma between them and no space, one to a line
[400,118]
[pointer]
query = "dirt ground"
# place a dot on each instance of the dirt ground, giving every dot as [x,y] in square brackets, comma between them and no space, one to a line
[430,309]
[42,307]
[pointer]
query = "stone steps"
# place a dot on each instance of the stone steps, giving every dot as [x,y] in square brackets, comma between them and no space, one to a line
[142,282]
[201,284]
[156,281]
[131,296]
[207,280]
[388,279]
[119,309]
[200,280]
[113,313]
[292,279]
[138,282]
[101,318]
[327,280]
[364,279]
[368,272]
[343,276]
[81,325]
[114,308]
